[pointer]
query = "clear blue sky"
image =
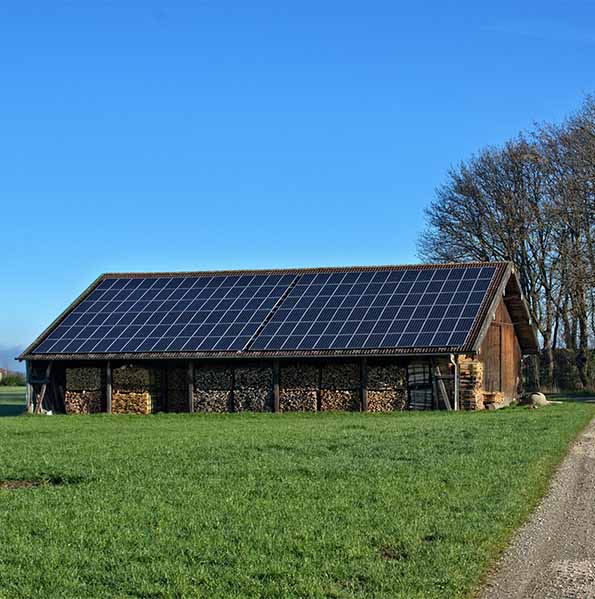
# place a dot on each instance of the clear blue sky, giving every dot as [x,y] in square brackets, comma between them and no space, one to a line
[215,134]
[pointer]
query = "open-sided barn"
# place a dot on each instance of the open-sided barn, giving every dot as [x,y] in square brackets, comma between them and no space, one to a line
[362,338]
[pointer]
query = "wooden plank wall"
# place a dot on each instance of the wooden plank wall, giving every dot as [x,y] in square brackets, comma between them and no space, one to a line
[501,355]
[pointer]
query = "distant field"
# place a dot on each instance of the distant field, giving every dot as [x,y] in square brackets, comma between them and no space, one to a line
[277,506]
[12,400]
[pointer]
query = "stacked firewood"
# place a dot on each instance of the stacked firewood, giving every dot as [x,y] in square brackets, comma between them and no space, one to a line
[131,402]
[298,387]
[83,379]
[134,390]
[213,389]
[177,390]
[82,402]
[83,391]
[493,399]
[253,389]
[131,378]
[470,383]
[340,387]
[387,388]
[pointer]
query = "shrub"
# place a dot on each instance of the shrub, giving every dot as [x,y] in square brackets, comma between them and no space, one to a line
[13,379]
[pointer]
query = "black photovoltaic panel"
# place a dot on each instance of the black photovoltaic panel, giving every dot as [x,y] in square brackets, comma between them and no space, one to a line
[191,313]
[409,308]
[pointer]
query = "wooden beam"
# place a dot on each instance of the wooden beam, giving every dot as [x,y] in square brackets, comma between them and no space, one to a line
[108,387]
[435,405]
[164,387]
[190,380]
[276,399]
[44,387]
[455,362]
[29,404]
[442,387]
[319,389]
[363,384]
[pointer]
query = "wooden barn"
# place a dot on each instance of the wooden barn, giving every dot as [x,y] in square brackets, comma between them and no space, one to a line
[378,338]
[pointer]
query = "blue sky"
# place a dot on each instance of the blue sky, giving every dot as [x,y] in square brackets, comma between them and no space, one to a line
[205,135]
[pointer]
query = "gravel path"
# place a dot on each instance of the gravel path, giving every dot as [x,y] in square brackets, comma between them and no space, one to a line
[553,555]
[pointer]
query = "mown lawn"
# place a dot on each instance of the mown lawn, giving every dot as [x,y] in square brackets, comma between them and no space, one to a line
[301,506]
[12,401]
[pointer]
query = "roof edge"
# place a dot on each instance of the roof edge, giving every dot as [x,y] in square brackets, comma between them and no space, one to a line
[296,271]
[26,353]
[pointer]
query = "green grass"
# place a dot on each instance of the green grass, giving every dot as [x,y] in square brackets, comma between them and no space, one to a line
[12,401]
[276,506]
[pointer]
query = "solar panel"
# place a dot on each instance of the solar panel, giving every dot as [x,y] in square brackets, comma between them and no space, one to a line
[206,313]
[389,308]
[374,310]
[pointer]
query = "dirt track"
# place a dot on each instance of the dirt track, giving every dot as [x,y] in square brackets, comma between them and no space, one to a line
[553,555]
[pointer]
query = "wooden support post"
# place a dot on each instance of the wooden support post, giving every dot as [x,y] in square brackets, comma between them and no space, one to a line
[190,380]
[442,387]
[108,387]
[363,384]
[276,401]
[319,389]
[29,388]
[455,361]
[44,387]
[164,387]
[435,404]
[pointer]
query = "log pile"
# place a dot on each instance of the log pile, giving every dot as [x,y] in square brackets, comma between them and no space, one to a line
[386,376]
[83,379]
[387,388]
[83,391]
[387,400]
[82,402]
[493,399]
[253,389]
[177,390]
[340,387]
[213,389]
[471,383]
[131,378]
[131,402]
[298,387]
[136,390]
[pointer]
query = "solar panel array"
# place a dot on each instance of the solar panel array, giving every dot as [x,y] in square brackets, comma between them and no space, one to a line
[216,313]
[402,308]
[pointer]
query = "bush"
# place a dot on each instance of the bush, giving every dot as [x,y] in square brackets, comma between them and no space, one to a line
[13,379]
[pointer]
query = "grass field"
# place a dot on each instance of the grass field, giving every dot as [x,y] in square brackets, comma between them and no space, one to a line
[292,506]
[12,401]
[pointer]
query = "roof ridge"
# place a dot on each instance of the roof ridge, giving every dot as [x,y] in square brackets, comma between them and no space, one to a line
[304,270]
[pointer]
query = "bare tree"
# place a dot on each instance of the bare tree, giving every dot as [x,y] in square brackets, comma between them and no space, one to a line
[531,201]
